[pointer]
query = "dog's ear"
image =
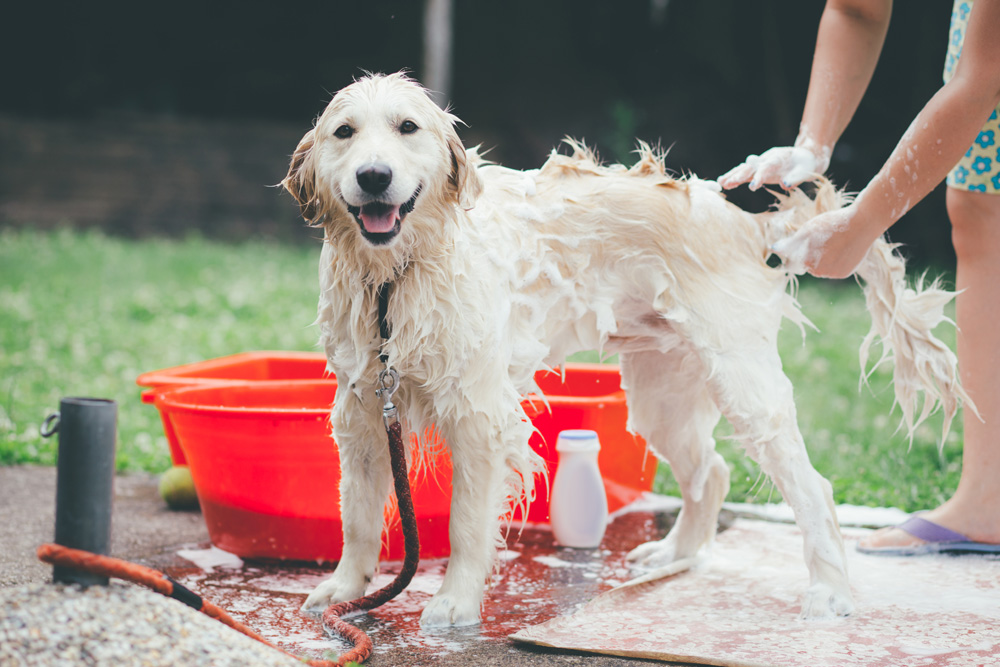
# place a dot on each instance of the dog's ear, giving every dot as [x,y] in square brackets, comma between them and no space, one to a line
[301,179]
[464,177]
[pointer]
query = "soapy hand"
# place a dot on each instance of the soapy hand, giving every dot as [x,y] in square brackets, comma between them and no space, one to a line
[787,166]
[831,245]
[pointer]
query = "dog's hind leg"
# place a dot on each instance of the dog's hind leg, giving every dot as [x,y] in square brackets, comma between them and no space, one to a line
[670,407]
[365,483]
[754,394]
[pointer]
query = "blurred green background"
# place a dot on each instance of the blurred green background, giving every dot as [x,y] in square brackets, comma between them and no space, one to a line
[140,144]
[83,314]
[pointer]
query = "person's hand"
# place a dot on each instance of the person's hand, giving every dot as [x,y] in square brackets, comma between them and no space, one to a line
[831,245]
[787,166]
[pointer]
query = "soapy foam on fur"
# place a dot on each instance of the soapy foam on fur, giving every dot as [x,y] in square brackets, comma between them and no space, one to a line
[619,237]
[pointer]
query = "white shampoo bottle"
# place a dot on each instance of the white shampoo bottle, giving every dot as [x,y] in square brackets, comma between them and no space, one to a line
[578,510]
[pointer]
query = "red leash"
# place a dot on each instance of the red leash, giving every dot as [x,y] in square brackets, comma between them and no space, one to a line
[161,583]
[411,541]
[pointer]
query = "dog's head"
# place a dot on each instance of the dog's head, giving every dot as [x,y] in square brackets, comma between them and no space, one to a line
[380,150]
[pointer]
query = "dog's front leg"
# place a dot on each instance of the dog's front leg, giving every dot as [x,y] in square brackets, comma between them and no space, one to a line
[366,478]
[476,502]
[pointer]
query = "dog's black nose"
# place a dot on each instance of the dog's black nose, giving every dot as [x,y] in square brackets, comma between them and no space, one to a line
[374,178]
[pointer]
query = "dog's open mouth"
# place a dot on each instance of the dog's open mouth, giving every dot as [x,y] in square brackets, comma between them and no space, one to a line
[379,221]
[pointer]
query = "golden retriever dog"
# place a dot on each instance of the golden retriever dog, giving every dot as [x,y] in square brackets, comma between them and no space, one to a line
[496,274]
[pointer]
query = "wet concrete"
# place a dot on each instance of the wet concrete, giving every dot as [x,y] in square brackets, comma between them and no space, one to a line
[143,529]
[537,581]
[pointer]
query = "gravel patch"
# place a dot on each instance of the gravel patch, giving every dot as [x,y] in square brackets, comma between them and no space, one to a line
[54,624]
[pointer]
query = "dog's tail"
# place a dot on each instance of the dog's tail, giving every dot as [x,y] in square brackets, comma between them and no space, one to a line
[795,207]
[903,318]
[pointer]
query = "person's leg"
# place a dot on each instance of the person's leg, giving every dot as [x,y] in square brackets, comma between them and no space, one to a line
[974,509]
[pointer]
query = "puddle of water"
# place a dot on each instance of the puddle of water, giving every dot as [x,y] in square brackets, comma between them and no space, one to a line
[537,581]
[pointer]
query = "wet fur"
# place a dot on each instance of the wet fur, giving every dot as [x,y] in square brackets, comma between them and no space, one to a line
[498,273]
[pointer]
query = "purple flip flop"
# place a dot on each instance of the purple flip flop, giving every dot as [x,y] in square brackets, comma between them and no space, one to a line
[937,540]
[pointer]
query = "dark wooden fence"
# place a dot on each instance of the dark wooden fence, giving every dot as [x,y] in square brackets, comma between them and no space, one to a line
[140,175]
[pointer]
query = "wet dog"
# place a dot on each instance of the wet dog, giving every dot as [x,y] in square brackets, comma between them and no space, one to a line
[497,273]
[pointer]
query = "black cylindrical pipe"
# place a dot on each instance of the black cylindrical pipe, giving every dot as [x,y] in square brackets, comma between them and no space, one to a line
[85,481]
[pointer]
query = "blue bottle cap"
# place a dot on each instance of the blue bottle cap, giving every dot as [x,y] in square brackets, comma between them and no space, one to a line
[578,440]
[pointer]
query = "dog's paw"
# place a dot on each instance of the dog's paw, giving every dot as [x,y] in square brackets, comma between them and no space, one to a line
[446,610]
[335,589]
[824,601]
[653,555]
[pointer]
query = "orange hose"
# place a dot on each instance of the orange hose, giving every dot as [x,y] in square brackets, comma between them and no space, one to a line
[107,566]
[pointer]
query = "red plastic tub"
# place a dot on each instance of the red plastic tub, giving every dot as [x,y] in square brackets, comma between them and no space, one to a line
[267,471]
[243,367]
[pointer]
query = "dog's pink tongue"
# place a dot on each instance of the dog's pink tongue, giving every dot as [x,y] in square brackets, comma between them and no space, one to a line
[379,218]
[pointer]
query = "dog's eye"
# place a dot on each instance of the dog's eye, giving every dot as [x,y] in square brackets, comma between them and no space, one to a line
[344,132]
[408,127]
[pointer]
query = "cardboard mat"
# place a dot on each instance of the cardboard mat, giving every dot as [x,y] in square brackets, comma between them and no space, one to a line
[738,607]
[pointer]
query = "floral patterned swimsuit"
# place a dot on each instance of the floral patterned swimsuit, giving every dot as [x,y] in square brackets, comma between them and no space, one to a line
[979,168]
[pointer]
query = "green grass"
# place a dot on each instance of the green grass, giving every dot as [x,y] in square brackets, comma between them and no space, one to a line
[82,314]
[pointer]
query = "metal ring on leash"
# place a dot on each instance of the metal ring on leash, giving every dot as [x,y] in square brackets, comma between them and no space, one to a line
[388,381]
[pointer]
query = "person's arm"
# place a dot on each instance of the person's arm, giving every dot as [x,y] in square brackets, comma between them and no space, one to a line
[848,44]
[833,244]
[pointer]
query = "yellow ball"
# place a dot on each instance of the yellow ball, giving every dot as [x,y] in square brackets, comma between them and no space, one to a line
[177,489]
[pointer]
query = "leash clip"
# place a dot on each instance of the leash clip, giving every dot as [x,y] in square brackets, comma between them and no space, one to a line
[388,381]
